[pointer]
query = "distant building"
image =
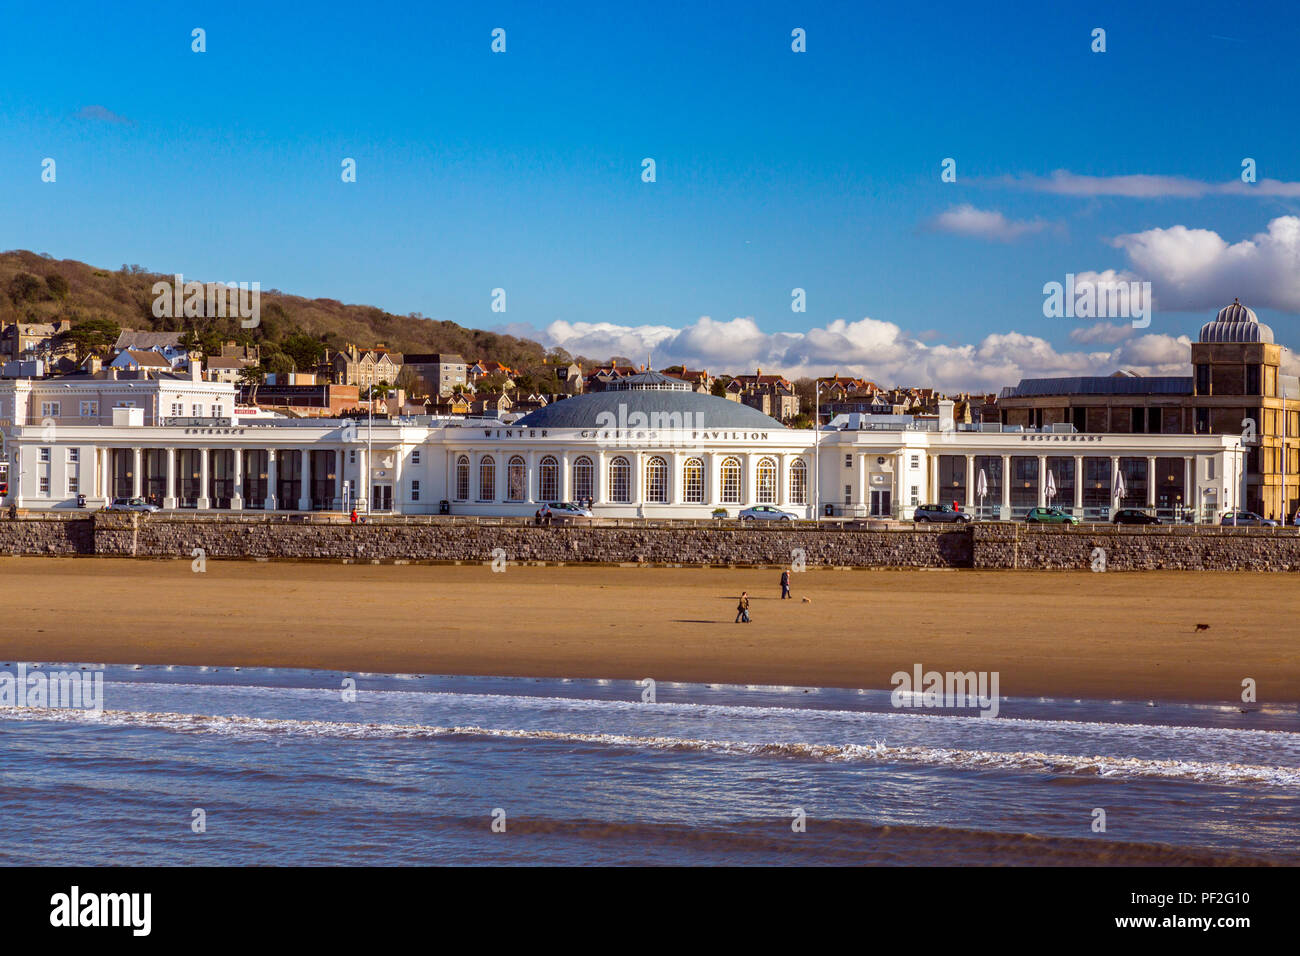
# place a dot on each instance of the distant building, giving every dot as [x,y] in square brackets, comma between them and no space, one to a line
[134,360]
[364,368]
[166,344]
[23,341]
[441,372]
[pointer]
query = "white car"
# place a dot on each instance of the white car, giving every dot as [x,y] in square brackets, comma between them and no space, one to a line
[567,509]
[765,513]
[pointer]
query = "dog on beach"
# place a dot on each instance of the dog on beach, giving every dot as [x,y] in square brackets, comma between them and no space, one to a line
[807,600]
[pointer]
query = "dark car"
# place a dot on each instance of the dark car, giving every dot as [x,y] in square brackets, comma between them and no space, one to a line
[940,513]
[1134,516]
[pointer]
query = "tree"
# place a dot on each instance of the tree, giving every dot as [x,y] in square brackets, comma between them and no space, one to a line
[91,335]
[305,350]
[252,376]
[57,285]
[24,287]
[277,363]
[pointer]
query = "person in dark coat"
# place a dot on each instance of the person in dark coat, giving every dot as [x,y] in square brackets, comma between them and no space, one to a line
[785,584]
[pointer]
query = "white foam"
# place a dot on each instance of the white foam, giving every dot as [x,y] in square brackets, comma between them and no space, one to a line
[1210,772]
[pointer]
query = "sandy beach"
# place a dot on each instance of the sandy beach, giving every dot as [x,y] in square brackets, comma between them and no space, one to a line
[1074,634]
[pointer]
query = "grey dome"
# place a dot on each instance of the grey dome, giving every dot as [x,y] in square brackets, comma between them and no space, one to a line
[647,381]
[662,409]
[1236,323]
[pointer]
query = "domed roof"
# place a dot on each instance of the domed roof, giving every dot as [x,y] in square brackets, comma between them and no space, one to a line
[654,409]
[648,380]
[1236,323]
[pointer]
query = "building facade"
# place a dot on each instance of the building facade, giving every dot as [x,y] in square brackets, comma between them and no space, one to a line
[636,452]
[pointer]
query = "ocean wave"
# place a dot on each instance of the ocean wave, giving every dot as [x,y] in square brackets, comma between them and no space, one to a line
[1025,761]
[1174,731]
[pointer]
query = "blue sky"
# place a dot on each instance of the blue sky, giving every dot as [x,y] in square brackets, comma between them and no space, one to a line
[775,170]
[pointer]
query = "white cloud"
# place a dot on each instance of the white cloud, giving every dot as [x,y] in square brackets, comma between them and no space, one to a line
[1062,182]
[1103,332]
[966,220]
[1198,270]
[880,351]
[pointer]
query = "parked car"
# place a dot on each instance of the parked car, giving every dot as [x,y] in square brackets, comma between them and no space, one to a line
[568,509]
[1246,519]
[765,513]
[1134,516]
[944,513]
[131,504]
[1050,516]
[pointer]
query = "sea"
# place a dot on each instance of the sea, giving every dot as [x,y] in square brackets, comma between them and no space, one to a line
[257,766]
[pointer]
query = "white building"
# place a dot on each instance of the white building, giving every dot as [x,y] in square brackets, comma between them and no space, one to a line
[652,451]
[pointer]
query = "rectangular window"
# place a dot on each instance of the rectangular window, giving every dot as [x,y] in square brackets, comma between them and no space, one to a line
[848,494]
[415,491]
[1202,421]
[177,410]
[45,454]
[197,410]
[415,456]
[74,455]
[1202,380]
[1209,469]
[916,495]
[89,409]
[916,461]
[51,409]
[74,484]
[216,411]
[1252,379]
[848,461]
[45,485]
[352,456]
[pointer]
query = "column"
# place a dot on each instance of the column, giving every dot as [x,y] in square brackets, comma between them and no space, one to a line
[599,492]
[398,454]
[272,475]
[566,487]
[971,498]
[340,456]
[237,499]
[1189,483]
[1006,488]
[16,459]
[635,480]
[304,487]
[861,494]
[135,472]
[204,501]
[1151,481]
[534,479]
[1078,484]
[362,496]
[1116,504]
[170,500]
[1042,481]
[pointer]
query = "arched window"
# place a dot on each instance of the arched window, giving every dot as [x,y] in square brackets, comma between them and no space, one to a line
[767,481]
[516,479]
[731,481]
[583,473]
[619,475]
[550,479]
[799,482]
[693,480]
[462,478]
[487,478]
[656,480]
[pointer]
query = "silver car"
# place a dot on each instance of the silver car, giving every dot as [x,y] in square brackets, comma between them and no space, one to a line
[1246,519]
[568,509]
[132,504]
[765,513]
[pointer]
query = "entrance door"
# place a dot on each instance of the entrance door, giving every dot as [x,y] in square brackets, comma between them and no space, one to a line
[382,498]
[881,504]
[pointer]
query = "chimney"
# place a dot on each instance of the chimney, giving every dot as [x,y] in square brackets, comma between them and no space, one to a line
[196,370]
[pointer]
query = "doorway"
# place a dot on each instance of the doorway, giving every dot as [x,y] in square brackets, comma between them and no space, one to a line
[881,503]
[381,498]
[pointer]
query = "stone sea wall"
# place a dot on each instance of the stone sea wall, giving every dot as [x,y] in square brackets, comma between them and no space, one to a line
[321,537]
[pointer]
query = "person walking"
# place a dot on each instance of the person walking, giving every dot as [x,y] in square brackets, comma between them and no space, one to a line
[354,515]
[785,584]
[742,608]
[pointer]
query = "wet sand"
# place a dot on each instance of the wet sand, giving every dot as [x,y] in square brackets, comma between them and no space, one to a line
[1060,634]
